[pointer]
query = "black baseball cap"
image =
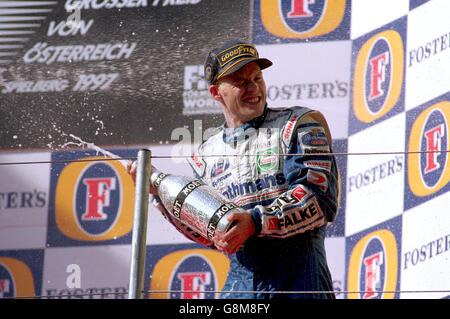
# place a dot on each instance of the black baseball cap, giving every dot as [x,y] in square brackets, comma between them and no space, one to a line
[230,57]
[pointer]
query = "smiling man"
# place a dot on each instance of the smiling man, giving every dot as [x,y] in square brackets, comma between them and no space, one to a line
[276,164]
[237,83]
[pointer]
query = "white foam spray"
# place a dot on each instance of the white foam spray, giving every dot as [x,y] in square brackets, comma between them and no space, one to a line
[97,149]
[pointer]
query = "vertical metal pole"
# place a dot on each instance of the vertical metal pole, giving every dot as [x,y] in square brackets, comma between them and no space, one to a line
[136,284]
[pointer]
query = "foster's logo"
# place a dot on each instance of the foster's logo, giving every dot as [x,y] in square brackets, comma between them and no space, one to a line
[16,279]
[193,283]
[301,19]
[378,77]
[190,274]
[373,266]
[428,164]
[94,201]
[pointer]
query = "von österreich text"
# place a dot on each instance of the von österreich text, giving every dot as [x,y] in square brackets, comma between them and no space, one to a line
[43,53]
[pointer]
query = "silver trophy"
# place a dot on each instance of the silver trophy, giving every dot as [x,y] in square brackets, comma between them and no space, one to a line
[194,203]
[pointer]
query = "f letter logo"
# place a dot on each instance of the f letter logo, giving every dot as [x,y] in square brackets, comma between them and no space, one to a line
[428,165]
[378,75]
[434,139]
[300,19]
[97,196]
[372,265]
[300,9]
[194,284]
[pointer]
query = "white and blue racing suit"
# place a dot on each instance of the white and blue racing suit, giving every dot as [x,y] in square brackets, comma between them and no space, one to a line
[291,199]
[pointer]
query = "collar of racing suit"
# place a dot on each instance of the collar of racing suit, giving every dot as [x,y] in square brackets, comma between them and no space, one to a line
[237,133]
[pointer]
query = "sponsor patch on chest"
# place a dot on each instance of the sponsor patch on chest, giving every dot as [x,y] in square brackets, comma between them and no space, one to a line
[267,160]
[220,167]
[198,164]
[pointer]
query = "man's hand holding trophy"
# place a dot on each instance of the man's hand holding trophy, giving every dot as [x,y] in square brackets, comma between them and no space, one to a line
[194,208]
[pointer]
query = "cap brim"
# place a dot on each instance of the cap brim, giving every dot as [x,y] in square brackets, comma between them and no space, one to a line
[263,63]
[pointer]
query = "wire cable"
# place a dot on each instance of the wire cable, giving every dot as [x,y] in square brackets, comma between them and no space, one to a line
[147,292]
[221,156]
[123,293]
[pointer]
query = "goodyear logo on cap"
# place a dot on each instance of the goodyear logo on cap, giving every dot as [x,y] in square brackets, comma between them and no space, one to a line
[93,200]
[237,51]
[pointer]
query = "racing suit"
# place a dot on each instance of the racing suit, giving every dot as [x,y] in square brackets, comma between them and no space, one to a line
[291,199]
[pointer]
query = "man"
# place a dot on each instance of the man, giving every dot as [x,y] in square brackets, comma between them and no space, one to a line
[276,165]
[279,246]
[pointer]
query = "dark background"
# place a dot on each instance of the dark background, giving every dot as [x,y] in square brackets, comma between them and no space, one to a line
[145,103]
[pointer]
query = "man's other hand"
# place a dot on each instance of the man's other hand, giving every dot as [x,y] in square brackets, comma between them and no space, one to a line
[243,227]
[131,169]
